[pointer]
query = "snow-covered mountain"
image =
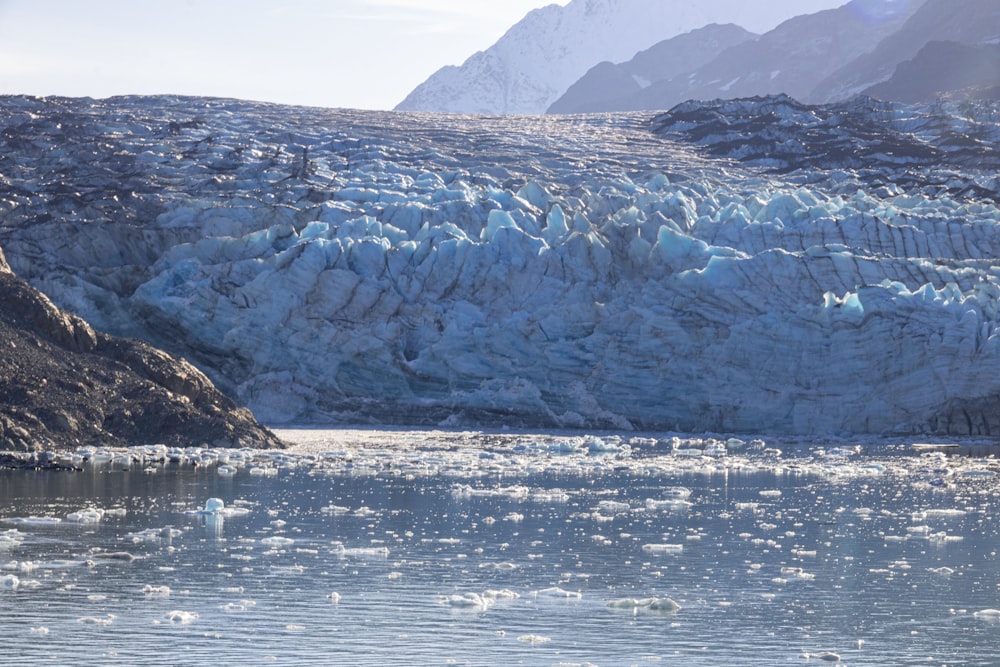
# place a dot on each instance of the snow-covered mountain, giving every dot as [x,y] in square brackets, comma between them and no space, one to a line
[535,61]
[617,87]
[759,267]
[790,59]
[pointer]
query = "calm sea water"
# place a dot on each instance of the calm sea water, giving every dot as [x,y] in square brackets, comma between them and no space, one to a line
[426,548]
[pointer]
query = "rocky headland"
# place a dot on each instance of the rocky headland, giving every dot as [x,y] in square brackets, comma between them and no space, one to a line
[64,384]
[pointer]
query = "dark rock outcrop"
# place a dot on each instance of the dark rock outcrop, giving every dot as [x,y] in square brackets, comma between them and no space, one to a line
[63,384]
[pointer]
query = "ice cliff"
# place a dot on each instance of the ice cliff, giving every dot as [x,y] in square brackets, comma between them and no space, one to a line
[588,271]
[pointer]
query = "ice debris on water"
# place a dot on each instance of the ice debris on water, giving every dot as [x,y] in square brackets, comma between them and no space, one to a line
[217,507]
[534,639]
[98,620]
[181,617]
[651,604]
[557,592]
[471,601]
[661,549]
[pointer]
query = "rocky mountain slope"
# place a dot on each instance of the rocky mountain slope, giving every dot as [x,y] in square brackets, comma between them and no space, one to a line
[618,87]
[968,22]
[63,384]
[790,59]
[754,266]
[535,61]
[944,68]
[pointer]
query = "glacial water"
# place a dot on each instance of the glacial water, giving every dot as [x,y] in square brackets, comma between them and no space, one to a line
[433,548]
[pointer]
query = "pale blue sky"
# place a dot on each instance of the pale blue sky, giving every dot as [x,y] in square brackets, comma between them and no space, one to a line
[337,53]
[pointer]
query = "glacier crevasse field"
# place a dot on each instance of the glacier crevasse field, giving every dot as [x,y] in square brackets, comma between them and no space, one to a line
[833,272]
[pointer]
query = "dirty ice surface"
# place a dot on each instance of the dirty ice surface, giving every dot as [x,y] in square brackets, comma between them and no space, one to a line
[434,547]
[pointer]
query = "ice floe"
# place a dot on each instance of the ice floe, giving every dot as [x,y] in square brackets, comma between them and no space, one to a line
[651,604]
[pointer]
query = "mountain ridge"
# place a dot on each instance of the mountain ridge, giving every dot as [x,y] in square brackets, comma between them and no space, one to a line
[539,57]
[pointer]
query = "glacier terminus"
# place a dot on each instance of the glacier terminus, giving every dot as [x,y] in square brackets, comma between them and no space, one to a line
[831,271]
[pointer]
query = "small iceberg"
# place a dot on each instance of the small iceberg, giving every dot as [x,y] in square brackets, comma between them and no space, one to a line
[181,617]
[556,592]
[217,507]
[652,605]
[663,548]
[469,601]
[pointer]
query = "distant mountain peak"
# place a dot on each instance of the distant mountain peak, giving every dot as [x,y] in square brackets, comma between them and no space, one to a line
[535,61]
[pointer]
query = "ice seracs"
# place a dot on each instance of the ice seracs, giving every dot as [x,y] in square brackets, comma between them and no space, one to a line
[741,267]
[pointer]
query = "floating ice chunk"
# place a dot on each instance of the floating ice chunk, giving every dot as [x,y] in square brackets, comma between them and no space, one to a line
[770,493]
[826,656]
[473,601]
[556,592]
[154,534]
[534,639]
[11,538]
[226,470]
[277,541]
[217,507]
[86,516]
[97,620]
[361,552]
[113,555]
[9,581]
[651,604]
[715,449]
[677,492]
[32,520]
[214,506]
[944,571]
[502,594]
[333,597]
[151,591]
[652,504]
[663,548]
[992,615]
[798,573]
[613,507]
[181,617]
[42,631]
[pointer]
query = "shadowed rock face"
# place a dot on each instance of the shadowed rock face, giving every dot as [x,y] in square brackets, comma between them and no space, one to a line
[63,384]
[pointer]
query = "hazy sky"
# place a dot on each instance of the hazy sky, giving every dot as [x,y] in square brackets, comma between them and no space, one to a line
[337,53]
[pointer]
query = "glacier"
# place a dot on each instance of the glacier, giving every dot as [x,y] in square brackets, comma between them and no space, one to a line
[831,273]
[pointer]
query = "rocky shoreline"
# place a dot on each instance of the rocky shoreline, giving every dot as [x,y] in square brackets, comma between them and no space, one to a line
[65,385]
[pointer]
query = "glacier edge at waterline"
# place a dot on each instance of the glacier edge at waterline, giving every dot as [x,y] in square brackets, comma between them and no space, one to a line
[571,271]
